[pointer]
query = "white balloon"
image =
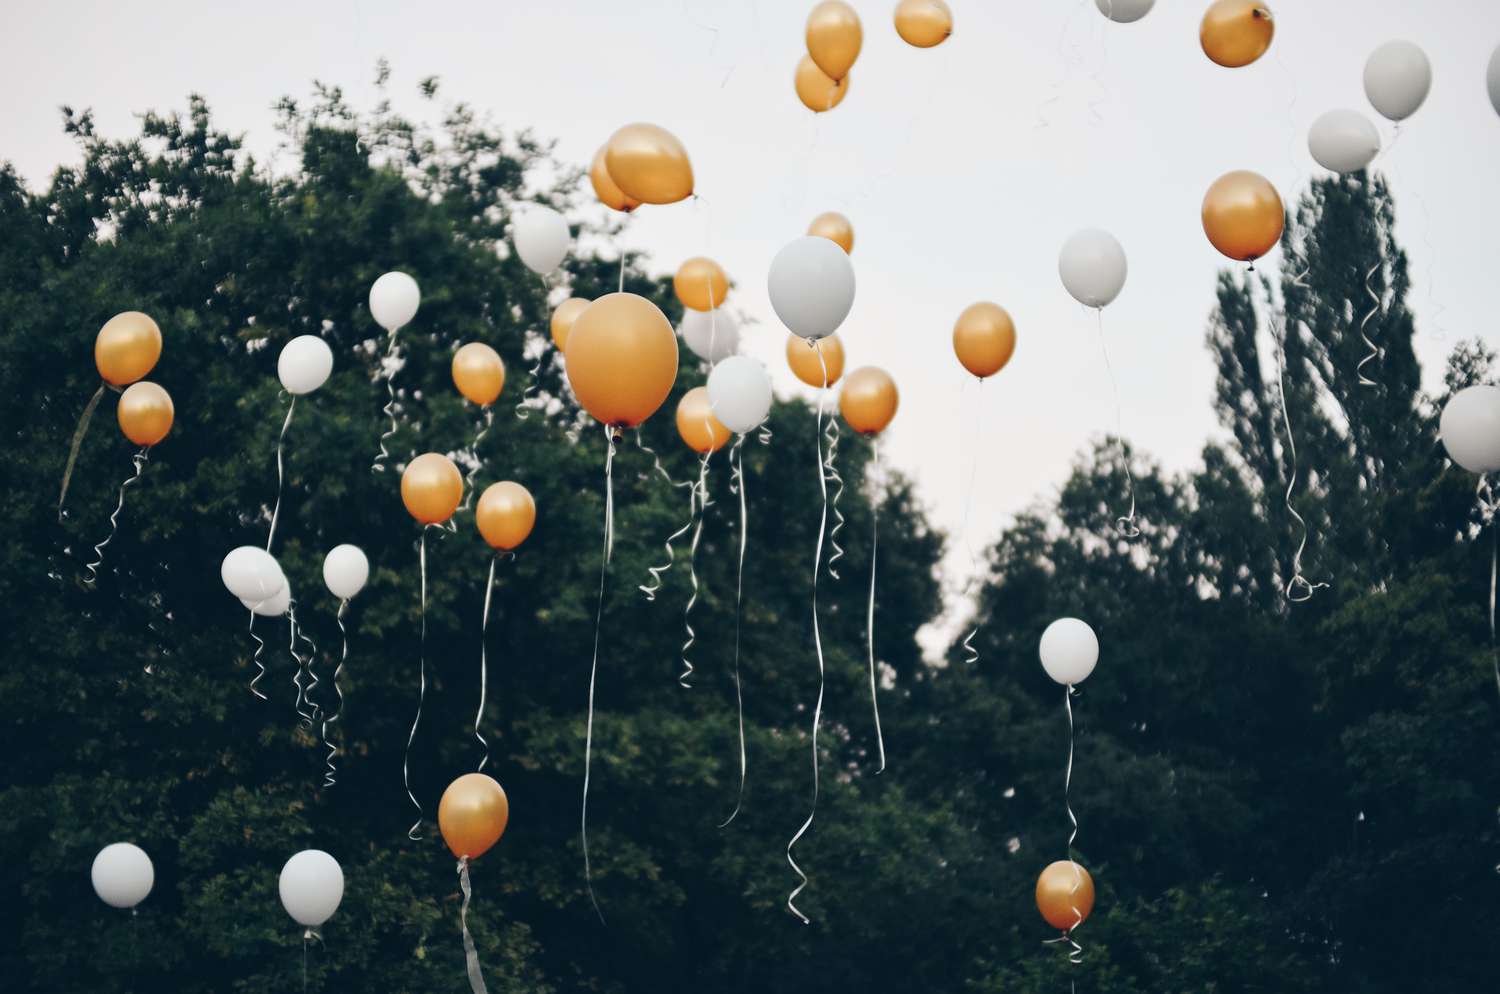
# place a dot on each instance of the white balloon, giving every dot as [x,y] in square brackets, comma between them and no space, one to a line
[312,885]
[811,283]
[1069,650]
[541,237]
[345,571]
[251,574]
[711,335]
[1397,78]
[1092,267]
[1124,11]
[1470,428]
[1344,141]
[304,364]
[394,299]
[122,875]
[739,392]
[1492,79]
[274,606]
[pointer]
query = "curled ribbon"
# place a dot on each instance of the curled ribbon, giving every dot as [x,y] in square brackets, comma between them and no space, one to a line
[306,716]
[471,954]
[78,433]
[523,406]
[484,678]
[651,588]
[1125,524]
[330,776]
[737,486]
[114,519]
[489,419]
[1298,589]
[698,502]
[1075,954]
[280,472]
[414,833]
[831,470]
[1376,353]
[259,648]
[588,744]
[389,410]
[870,612]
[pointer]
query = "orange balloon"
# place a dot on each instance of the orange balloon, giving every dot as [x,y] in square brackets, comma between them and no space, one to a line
[622,359]
[696,422]
[127,348]
[605,188]
[802,356]
[145,413]
[1235,33]
[984,337]
[701,284]
[1242,215]
[431,488]
[562,320]
[869,400]
[478,373]
[1065,895]
[505,514]
[649,164]
[472,815]
[923,23]
[816,89]
[835,227]
[834,37]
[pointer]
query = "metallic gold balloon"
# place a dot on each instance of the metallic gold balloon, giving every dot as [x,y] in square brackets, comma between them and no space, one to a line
[431,488]
[869,399]
[505,514]
[923,23]
[605,188]
[802,356]
[1065,895]
[472,815]
[835,227]
[696,422]
[622,359]
[1242,215]
[127,348]
[984,337]
[145,413]
[1235,33]
[701,284]
[834,37]
[816,89]
[562,320]
[478,373]
[649,164]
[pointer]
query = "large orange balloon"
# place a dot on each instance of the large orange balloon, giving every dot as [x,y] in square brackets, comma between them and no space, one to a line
[869,400]
[816,89]
[127,348]
[431,488]
[649,164]
[1242,215]
[984,338]
[622,359]
[923,23]
[472,815]
[802,356]
[605,188]
[1065,895]
[505,514]
[1235,33]
[562,320]
[835,227]
[834,37]
[696,422]
[145,413]
[701,284]
[479,373]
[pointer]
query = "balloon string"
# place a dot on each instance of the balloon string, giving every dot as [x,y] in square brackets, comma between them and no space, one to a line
[312,659]
[697,504]
[471,954]
[1488,507]
[1075,956]
[963,530]
[1376,353]
[737,486]
[78,433]
[528,393]
[330,777]
[259,648]
[389,410]
[1125,525]
[114,519]
[831,470]
[414,833]
[870,611]
[291,648]
[588,743]
[280,474]
[1298,589]
[651,588]
[484,427]
[484,627]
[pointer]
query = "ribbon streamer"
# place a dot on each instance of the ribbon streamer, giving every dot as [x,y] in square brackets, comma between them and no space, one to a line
[489,419]
[1376,353]
[737,486]
[870,612]
[484,677]
[471,955]
[651,588]
[114,519]
[968,641]
[1075,955]
[523,409]
[414,833]
[698,503]
[588,744]
[1488,508]
[1126,524]
[280,473]
[309,935]
[389,410]
[303,692]
[330,777]
[831,470]
[259,648]
[1298,589]
[78,433]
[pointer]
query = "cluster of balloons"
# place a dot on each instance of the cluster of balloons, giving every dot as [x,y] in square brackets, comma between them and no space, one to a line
[126,349]
[709,332]
[254,576]
[835,36]
[1397,79]
[641,164]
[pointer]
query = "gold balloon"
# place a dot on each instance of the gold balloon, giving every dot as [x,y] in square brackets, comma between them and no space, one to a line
[649,164]
[923,23]
[472,815]
[505,514]
[1235,33]
[816,89]
[431,488]
[701,284]
[835,227]
[605,188]
[1065,895]
[145,413]
[984,337]
[127,348]
[562,320]
[869,400]
[802,356]
[478,373]
[834,37]
[622,359]
[1242,215]
[696,422]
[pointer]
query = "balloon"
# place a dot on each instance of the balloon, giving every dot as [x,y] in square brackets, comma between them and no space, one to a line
[869,400]
[562,320]
[1242,215]
[311,885]
[622,359]
[649,164]
[251,574]
[816,89]
[1343,140]
[696,422]
[711,337]
[1124,11]
[1065,895]
[1397,79]
[541,237]
[304,364]
[835,227]
[394,299]
[923,23]
[1470,428]
[984,338]
[431,488]
[127,348]
[811,283]
[802,356]
[122,875]
[472,815]
[505,514]
[1092,267]
[834,37]
[1235,33]
[1492,79]
[605,188]
[739,391]
[1069,651]
[145,413]
[700,284]
[345,571]
[274,606]
[478,373]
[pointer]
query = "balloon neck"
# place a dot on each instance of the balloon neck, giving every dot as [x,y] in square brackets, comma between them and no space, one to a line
[1250,265]
[617,434]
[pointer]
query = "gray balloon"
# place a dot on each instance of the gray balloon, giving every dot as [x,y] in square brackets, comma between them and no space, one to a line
[1492,79]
